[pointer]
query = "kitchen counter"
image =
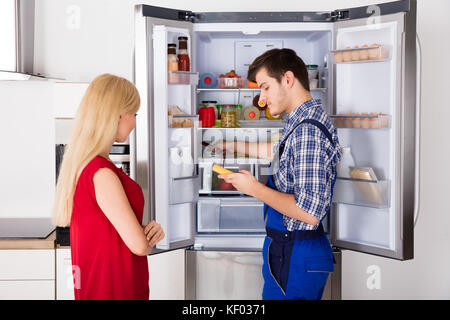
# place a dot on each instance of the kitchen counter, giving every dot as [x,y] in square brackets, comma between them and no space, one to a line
[30,243]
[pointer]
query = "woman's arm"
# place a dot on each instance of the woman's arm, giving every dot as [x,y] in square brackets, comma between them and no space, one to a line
[114,203]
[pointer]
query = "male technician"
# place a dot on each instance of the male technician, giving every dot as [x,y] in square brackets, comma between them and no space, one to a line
[296,253]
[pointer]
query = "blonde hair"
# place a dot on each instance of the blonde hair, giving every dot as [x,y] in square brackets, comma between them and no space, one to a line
[94,131]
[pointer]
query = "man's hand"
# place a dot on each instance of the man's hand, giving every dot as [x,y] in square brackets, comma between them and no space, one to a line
[242,181]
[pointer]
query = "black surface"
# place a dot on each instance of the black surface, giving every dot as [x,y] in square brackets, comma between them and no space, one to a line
[63,236]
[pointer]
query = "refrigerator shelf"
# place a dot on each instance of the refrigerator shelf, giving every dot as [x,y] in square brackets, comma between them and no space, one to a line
[378,53]
[368,121]
[365,193]
[199,90]
[234,160]
[183,190]
[182,77]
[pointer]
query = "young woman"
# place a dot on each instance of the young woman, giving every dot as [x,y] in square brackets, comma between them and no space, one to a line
[102,205]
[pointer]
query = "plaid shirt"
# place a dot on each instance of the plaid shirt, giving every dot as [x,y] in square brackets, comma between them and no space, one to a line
[308,163]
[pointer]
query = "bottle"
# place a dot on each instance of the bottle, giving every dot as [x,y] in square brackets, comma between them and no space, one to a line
[175,163]
[206,168]
[187,167]
[183,55]
[172,62]
[347,161]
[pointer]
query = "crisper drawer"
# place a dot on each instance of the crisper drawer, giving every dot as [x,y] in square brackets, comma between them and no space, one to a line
[230,215]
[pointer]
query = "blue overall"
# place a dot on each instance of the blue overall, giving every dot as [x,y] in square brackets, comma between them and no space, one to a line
[296,263]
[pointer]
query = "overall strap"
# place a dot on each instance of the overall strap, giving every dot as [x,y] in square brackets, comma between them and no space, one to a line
[313,122]
[281,150]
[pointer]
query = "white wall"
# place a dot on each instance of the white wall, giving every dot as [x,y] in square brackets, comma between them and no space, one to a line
[102,42]
[27,169]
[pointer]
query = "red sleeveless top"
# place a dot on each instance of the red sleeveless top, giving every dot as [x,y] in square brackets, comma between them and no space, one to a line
[103,266]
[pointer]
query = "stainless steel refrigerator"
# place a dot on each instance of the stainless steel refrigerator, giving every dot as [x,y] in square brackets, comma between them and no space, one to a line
[366,58]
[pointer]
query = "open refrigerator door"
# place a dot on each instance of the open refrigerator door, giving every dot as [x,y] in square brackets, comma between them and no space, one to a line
[166,127]
[374,80]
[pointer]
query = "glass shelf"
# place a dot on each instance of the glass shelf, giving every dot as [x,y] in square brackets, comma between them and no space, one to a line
[366,193]
[245,90]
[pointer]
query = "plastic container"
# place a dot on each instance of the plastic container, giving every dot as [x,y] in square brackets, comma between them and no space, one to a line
[208,81]
[366,120]
[187,163]
[347,161]
[231,83]
[313,83]
[180,121]
[365,53]
[175,163]
[313,71]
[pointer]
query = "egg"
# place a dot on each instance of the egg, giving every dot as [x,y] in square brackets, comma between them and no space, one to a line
[364,54]
[347,55]
[374,54]
[355,54]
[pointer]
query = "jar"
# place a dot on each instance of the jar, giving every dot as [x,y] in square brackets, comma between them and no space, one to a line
[228,116]
[172,62]
[313,71]
[183,55]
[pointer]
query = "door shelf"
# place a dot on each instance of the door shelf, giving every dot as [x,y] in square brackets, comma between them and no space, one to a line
[361,55]
[366,193]
[183,190]
[182,77]
[357,121]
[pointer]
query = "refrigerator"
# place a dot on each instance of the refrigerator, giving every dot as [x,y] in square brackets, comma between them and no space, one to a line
[366,57]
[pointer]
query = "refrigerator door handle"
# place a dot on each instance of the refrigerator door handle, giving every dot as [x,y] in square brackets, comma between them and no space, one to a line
[418,122]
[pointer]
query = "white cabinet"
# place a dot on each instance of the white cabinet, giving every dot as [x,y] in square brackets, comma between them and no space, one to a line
[167,275]
[67,97]
[64,278]
[27,274]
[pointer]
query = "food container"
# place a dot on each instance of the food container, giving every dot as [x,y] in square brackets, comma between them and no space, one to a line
[313,83]
[313,71]
[181,121]
[231,83]
[228,116]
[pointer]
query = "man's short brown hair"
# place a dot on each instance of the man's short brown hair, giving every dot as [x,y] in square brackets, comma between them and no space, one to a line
[277,62]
